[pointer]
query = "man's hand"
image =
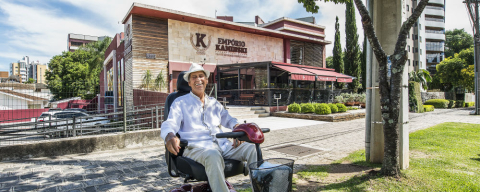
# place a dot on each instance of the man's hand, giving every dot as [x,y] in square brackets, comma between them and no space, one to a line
[237,143]
[173,143]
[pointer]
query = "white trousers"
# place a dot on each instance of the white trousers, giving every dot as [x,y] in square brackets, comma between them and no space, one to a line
[212,160]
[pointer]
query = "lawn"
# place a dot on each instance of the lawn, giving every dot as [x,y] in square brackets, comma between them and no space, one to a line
[445,157]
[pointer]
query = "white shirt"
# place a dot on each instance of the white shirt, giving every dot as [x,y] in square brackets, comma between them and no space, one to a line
[197,124]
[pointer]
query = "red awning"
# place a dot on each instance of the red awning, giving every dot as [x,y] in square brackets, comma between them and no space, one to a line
[180,66]
[330,76]
[297,73]
[344,80]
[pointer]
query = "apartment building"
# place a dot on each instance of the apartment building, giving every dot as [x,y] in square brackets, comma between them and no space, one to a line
[26,69]
[75,41]
[429,36]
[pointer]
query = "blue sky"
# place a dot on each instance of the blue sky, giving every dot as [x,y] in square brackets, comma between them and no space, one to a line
[39,29]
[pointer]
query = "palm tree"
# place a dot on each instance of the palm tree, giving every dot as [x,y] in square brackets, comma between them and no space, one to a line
[159,81]
[147,79]
[421,76]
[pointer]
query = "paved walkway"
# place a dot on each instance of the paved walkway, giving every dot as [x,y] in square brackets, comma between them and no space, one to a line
[144,169]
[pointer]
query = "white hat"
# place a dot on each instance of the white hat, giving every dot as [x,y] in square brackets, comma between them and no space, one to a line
[194,68]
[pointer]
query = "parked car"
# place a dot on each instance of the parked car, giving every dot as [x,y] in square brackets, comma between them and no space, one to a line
[54,109]
[76,109]
[44,116]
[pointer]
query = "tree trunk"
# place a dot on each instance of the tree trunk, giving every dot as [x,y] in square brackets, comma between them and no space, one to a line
[390,89]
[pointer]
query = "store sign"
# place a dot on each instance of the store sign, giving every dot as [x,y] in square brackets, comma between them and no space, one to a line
[199,43]
[226,47]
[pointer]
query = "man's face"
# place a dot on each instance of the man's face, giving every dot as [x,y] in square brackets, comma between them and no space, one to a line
[198,82]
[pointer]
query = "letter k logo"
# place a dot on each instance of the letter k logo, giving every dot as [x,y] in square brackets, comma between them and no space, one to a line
[200,40]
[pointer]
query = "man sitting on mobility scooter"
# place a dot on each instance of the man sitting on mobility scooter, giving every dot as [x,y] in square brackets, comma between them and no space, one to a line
[197,118]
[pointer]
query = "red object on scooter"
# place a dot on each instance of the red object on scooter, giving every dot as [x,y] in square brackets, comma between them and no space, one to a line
[252,130]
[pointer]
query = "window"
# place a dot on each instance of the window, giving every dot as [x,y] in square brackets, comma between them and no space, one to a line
[420,51]
[409,62]
[420,39]
[409,48]
[408,8]
[420,26]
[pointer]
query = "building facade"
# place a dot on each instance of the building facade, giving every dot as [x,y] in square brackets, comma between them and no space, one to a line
[165,42]
[75,41]
[26,70]
[429,36]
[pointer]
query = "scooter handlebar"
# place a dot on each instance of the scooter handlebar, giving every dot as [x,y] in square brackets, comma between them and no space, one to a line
[237,134]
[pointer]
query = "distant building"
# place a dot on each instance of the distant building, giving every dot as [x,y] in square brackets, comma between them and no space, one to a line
[75,41]
[26,69]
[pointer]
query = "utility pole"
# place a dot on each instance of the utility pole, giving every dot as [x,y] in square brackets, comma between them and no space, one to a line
[472,7]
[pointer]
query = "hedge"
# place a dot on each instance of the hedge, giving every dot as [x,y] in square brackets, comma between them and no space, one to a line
[322,109]
[341,107]
[294,108]
[469,104]
[437,103]
[333,107]
[460,103]
[428,108]
[415,97]
[307,108]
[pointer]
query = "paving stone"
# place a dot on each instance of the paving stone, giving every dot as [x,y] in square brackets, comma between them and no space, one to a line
[138,168]
[49,189]
[114,178]
[154,166]
[5,189]
[25,188]
[127,171]
[30,176]
[75,178]
[93,176]
[131,182]
[71,186]
[93,166]
[8,179]
[13,169]
[90,189]
[92,182]
[70,162]
[52,163]
[113,172]
[107,187]
[33,166]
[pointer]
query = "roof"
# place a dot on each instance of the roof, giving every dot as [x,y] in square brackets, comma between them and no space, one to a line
[22,95]
[293,20]
[159,12]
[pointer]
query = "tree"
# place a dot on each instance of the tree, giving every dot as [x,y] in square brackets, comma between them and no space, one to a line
[468,78]
[337,54]
[457,40]
[421,76]
[329,62]
[77,74]
[30,81]
[363,64]
[146,80]
[390,90]
[456,71]
[351,59]
[159,81]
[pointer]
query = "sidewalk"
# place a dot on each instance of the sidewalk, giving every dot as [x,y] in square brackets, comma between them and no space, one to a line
[144,169]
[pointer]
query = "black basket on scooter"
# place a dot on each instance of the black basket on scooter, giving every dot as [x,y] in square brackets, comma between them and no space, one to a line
[272,175]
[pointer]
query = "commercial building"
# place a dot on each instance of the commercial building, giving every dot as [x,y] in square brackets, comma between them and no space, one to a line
[26,69]
[253,58]
[75,41]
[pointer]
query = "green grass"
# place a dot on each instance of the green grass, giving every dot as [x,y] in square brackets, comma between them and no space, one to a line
[445,157]
[317,172]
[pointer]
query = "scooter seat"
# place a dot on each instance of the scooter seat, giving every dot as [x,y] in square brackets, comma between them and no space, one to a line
[197,171]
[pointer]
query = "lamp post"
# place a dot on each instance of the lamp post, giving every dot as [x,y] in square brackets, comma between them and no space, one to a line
[472,7]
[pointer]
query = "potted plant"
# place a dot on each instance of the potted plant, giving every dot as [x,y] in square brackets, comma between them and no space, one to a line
[363,99]
[350,101]
[339,99]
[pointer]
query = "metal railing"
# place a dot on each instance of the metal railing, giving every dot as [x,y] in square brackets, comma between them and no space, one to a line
[142,117]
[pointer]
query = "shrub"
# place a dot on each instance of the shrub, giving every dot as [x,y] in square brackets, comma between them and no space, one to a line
[341,107]
[438,103]
[322,109]
[339,99]
[460,103]
[428,108]
[451,104]
[469,104]
[352,108]
[333,107]
[415,97]
[307,108]
[294,108]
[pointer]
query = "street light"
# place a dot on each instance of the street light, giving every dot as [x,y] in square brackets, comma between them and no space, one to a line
[472,7]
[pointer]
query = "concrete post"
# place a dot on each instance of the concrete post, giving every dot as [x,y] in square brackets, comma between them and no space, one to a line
[387,20]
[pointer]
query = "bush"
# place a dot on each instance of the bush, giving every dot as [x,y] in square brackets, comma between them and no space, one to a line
[352,108]
[460,103]
[339,99]
[438,103]
[307,108]
[415,97]
[451,104]
[341,107]
[469,104]
[428,108]
[333,107]
[322,109]
[294,108]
